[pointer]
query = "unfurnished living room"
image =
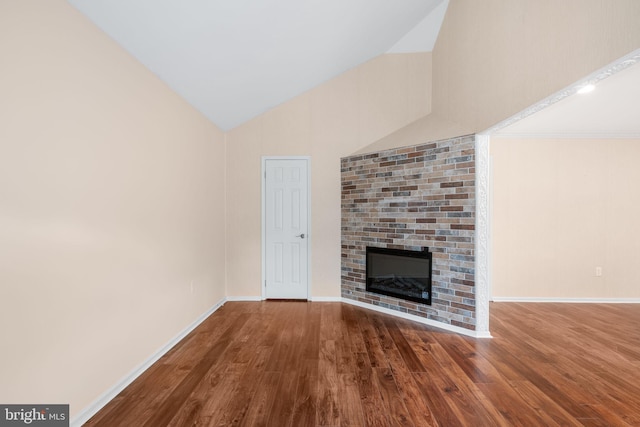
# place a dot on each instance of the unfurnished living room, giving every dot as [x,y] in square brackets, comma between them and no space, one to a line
[337,213]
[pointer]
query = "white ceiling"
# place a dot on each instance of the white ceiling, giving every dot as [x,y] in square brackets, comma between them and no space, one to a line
[611,110]
[235,59]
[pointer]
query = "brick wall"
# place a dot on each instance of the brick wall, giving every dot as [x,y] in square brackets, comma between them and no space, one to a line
[409,198]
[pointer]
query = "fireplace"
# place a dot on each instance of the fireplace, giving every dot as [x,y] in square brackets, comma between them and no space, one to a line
[399,273]
[410,198]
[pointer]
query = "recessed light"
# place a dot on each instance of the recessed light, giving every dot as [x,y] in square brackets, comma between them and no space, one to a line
[586,88]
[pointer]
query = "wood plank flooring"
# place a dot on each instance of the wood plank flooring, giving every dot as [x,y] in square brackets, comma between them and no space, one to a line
[281,363]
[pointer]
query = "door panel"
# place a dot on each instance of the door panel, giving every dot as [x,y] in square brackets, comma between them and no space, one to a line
[286,228]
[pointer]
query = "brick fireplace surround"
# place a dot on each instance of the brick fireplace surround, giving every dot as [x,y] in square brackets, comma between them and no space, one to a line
[409,198]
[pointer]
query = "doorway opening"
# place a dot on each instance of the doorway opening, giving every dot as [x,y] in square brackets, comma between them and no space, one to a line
[285,227]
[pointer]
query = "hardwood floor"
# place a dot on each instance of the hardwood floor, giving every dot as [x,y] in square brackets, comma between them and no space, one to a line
[333,364]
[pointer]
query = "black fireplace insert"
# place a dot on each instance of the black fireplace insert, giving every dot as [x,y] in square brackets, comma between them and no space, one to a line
[400,273]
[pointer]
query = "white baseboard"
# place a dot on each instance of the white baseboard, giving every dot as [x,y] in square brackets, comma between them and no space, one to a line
[569,300]
[249,298]
[425,321]
[108,395]
[315,299]
[93,408]
[325,299]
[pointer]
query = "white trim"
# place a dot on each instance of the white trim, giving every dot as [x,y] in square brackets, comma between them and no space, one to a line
[309,228]
[263,227]
[325,299]
[482,235]
[483,186]
[593,78]
[424,321]
[569,300]
[245,298]
[93,408]
[263,224]
[490,230]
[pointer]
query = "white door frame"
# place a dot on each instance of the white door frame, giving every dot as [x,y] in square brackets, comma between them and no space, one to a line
[484,183]
[263,219]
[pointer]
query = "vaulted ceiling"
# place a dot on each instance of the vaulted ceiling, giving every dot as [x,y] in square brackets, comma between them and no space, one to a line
[235,59]
[611,110]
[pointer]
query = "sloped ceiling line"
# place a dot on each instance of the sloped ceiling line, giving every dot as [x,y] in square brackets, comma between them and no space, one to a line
[235,60]
[611,110]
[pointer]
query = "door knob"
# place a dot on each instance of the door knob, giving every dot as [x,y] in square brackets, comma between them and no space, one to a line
[301,235]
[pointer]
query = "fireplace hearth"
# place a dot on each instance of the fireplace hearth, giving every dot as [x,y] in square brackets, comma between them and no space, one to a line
[399,273]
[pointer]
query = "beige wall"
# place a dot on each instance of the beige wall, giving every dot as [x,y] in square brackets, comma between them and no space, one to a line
[494,58]
[112,188]
[561,208]
[331,121]
[428,128]
[111,204]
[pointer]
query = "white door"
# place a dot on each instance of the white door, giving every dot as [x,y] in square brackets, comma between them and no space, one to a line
[285,213]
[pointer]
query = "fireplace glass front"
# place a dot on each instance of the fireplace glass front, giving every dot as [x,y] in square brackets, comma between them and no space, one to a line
[400,273]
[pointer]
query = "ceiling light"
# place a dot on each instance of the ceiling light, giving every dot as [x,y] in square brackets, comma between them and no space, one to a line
[586,88]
